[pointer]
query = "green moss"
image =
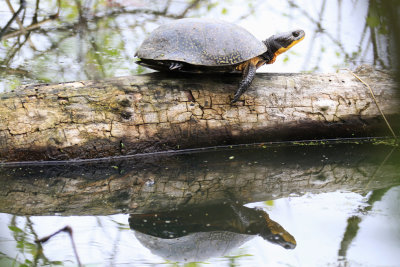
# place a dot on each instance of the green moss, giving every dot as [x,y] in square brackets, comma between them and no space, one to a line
[388,142]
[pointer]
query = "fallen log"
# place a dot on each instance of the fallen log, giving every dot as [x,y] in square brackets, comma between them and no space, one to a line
[158,112]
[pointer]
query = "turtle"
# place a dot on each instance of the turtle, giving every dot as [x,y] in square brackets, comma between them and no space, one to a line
[210,45]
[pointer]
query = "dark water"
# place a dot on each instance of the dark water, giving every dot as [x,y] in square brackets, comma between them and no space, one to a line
[276,205]
[326,204]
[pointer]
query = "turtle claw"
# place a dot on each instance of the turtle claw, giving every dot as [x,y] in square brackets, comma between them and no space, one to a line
[235,98]
[175,66]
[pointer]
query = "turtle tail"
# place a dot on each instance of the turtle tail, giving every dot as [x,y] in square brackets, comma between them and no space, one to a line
[249,73]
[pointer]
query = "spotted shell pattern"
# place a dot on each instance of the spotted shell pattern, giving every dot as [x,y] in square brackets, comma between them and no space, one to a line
[201,42]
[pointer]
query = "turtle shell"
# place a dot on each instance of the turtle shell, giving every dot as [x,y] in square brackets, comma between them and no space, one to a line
[201,42]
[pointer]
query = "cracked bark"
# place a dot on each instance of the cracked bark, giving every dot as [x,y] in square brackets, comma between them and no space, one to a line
[157,112]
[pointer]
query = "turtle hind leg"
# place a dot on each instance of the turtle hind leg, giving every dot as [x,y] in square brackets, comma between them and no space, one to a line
[249,73]
[175,65]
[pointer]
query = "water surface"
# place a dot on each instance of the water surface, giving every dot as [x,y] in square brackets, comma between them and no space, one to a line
[296,205]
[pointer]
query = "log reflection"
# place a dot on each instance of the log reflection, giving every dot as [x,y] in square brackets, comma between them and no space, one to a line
[156,184]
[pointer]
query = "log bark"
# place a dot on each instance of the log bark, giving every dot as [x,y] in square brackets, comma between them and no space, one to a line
[151,184]
[158,112]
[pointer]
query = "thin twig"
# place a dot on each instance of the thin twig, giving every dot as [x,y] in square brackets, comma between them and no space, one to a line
[376,102]
[16,18]
[21,7]
[35,24]
[67,229]
[21,26]
[28,28]
[378,169]
[189,7]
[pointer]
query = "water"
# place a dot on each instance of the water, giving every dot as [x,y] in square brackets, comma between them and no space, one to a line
[103,43]
[318,223]
[339,202]
[296,205]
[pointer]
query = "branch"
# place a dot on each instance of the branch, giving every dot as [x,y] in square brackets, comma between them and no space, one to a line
[68,230]
[22,6]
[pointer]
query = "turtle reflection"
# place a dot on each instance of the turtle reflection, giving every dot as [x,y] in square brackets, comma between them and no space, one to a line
[199,233]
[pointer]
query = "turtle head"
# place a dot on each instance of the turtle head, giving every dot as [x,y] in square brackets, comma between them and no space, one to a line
[275,233]
[280,43]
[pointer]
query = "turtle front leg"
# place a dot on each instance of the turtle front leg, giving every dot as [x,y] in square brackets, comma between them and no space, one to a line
[249,73]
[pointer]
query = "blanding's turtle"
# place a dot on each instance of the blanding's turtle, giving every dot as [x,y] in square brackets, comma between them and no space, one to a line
[204,45]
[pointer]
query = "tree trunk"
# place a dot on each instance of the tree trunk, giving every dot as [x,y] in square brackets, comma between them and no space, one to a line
[158,112]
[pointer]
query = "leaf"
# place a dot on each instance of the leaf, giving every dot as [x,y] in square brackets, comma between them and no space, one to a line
[269,203]
[31,247]
[211,6]
[20,244]
[383,30]
[15,229]
[373,21]
[139,70]
[285,59]
[224,11]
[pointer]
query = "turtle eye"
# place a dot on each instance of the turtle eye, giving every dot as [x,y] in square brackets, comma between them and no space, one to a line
[296,34]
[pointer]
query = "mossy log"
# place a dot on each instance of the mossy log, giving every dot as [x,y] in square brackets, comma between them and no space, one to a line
[158,112]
